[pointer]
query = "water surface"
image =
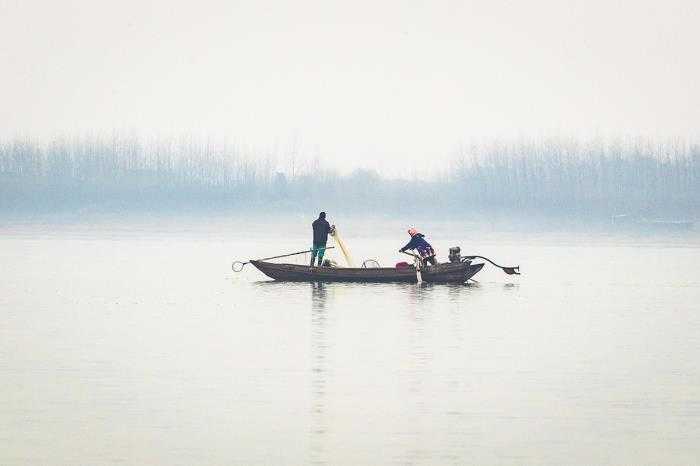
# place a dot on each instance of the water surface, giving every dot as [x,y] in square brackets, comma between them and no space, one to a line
[135,343]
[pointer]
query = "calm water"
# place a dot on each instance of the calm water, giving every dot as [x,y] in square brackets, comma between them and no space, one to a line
[134,343]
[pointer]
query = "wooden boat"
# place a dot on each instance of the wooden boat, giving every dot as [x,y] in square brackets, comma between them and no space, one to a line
[450,272]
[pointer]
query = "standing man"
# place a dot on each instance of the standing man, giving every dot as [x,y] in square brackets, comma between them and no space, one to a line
[321,229]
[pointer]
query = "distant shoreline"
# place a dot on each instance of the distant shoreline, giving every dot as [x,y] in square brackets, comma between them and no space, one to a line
[549,179]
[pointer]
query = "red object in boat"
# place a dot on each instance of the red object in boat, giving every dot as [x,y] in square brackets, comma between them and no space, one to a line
[402,265]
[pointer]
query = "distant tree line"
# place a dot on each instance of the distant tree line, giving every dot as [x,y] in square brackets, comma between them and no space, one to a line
[549,178]
[639,178]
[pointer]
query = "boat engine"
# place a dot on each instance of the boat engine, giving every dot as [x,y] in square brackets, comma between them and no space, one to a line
[455,254]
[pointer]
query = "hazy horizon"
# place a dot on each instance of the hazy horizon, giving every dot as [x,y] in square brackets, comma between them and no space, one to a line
[557,179]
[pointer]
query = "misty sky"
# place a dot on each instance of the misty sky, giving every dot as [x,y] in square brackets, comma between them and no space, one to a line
[377,84]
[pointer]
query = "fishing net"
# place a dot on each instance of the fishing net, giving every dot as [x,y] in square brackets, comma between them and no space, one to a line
[339,242]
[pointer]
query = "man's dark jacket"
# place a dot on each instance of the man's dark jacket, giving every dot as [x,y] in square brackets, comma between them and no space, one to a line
[321,229]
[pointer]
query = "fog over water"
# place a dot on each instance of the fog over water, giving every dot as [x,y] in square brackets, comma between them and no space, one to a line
[636,181]
[145,145]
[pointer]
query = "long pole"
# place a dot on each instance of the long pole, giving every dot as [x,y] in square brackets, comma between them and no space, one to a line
[339,242]
[238,266]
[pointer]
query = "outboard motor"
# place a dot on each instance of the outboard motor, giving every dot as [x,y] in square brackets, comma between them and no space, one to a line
[455,254]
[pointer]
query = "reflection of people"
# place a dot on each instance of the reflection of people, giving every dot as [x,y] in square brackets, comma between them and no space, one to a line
[318,296]
[321,229]
[425,250]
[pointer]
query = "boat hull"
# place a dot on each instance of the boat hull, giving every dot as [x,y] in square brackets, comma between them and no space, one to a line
[458,272]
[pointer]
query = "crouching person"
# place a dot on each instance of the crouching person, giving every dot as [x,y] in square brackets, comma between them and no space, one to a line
[418,242]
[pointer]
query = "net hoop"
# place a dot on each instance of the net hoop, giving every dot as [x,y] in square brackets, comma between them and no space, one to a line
[237,266]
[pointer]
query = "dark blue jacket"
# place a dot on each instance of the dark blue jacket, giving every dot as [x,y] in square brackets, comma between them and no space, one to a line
[321,229]
[418,242]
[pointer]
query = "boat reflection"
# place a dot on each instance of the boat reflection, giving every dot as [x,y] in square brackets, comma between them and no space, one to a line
[319,374]
[436,309]
[422,311]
